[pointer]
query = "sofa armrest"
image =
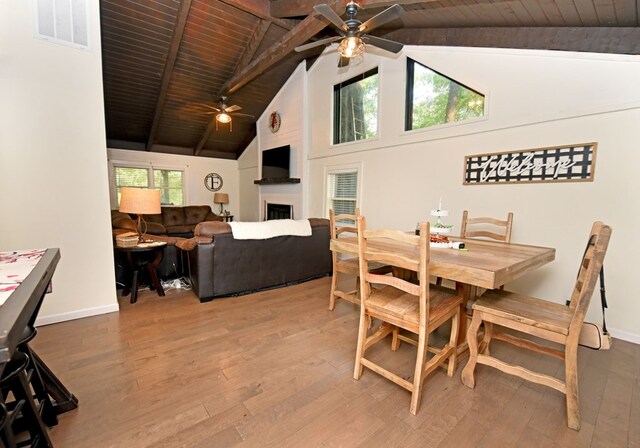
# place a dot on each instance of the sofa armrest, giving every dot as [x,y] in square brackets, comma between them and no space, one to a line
[212,217]
[192,243]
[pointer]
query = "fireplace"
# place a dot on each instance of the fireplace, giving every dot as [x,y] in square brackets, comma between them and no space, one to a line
[277,211]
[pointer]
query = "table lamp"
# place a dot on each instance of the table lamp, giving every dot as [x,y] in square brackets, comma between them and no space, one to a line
[221,198]
[140,201]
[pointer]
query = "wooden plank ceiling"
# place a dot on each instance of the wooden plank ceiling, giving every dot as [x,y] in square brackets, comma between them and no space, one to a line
[165,60]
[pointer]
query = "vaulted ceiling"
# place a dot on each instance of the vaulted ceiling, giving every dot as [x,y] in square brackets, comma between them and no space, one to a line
[165,61]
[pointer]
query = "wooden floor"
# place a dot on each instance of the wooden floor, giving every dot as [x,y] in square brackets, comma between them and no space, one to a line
[275,369]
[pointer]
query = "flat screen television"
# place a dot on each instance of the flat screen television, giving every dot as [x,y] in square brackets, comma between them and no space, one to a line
[275,163]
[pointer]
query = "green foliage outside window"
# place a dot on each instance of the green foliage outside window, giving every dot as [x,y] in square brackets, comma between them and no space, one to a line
[434,99]
[356,108]
[170,185]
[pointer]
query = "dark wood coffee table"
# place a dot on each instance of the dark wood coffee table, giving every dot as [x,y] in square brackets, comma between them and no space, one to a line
[144,255]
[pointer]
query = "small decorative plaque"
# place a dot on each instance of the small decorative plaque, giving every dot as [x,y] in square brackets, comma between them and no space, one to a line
[570,163]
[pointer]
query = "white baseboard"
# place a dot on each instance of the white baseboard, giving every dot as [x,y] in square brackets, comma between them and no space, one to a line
[625,335]
[55,318]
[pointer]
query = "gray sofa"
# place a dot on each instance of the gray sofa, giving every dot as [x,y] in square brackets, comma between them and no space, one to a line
[220,265]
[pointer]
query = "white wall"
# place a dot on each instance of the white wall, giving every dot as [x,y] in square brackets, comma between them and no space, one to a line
[248,171]
[195,170]
[289,104]
[53,167]
[535,99]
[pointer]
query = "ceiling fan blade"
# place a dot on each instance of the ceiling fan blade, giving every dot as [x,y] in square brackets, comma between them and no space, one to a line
[317,43]
[331,16]
[389,14]
[343,62]
[243,115]
[232,108]
[385,44]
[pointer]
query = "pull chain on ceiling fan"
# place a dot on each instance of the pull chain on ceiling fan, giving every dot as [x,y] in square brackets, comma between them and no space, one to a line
[352,32]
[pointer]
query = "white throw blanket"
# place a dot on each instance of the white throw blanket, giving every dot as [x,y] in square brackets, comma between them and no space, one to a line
[270,229]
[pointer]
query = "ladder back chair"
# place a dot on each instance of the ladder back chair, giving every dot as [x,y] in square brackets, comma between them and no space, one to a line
[418,308]
[547,320]
[349,266]
[465,232]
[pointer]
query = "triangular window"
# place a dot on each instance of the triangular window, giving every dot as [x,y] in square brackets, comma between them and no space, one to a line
[434,99]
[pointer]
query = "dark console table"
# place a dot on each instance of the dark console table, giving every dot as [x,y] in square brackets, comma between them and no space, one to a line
[20,311]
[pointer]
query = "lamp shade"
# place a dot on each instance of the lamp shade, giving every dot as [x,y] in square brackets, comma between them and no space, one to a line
[142,201]
[221,198]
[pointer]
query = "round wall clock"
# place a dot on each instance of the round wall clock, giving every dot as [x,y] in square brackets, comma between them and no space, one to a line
[213,181]
[274,122]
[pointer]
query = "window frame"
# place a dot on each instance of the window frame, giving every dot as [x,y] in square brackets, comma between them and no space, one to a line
[409,88]
[337,109]
[150,167]
[342,169]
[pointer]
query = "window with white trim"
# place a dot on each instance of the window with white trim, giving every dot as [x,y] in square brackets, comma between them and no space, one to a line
[342,191]
[434,99]
[355,104]
[170,182]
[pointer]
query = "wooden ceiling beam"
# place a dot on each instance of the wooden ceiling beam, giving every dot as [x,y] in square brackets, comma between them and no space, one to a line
[181,21]
[619,40]
[260,9]
[252,47]
[302,32]
[299,8]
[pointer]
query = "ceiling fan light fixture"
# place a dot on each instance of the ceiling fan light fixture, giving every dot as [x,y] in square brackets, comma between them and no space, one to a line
[351,47]
[223,118]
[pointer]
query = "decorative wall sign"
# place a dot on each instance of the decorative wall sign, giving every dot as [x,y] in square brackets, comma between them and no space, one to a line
[213,181]
[570,163]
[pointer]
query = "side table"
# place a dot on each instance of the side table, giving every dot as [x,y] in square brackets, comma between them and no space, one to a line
[139,257]
[226,218]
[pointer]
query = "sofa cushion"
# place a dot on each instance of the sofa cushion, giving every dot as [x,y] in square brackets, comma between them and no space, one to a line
[194,214]
[173,216]
[180,230]
[153,218]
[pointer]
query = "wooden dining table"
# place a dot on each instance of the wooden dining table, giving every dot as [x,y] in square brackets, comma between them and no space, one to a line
[483,264]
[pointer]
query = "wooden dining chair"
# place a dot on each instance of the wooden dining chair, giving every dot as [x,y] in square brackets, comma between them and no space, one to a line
[350,265]
[418,308]
[465,232]
[504,236]
[547,320]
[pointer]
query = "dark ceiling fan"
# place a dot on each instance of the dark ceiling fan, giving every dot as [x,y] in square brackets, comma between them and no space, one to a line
[223,112]
[353,33]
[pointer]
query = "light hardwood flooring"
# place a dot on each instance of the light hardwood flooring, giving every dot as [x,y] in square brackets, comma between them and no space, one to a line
[275,369]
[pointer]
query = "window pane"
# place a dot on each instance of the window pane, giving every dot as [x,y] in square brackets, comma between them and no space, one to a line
[356,108]
[169,182]
[342,192]
[130,177]
[435,99]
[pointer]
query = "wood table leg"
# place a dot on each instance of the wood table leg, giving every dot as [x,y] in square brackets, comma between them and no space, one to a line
[134,286]
[64,400]
[153,274]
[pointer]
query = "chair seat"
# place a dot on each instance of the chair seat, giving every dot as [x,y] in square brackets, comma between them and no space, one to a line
[527,310]
[352,266]
[406,307]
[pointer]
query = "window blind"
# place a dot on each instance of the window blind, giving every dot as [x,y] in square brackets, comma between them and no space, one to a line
[342,192]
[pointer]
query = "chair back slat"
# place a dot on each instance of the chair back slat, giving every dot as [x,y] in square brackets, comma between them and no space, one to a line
[589,272]
[389,280]
[367,255]
[506,224]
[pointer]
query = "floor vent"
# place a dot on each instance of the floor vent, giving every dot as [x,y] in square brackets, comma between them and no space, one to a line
[63,21]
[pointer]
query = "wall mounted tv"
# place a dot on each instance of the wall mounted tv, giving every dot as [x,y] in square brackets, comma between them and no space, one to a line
[275,166]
